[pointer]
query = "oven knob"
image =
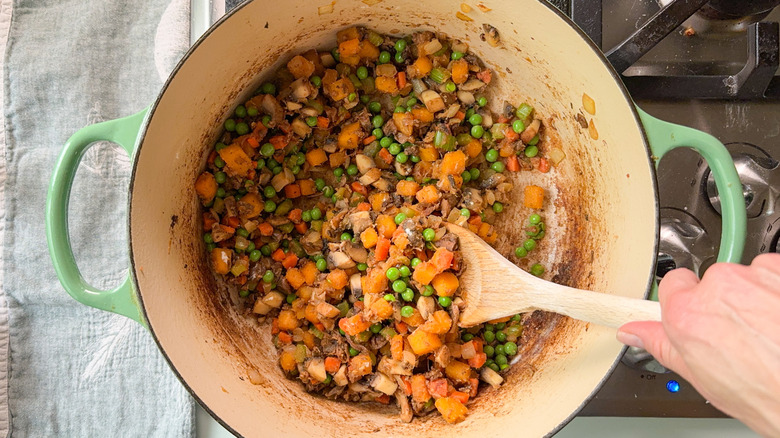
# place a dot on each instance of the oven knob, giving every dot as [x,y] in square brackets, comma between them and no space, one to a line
[640,359]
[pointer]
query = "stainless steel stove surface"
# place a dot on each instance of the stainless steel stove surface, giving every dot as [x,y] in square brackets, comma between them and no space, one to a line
[716,72]
[709,55]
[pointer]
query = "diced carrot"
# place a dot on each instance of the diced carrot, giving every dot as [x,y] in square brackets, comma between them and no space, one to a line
[232,222]
[428,194]
[322,122]
[290,260]
[332,364]
[424,273]
[369,238]
[354,325]
[423,342]
[385,156]
[422,114]
[407,385]
[401,327]
[279,141]
[445,284]
[278,255]
[510,135]
[534,197]
[397,347]
[364,206]
[401,79]
[485,76]
[295,215]
[438,388]
[460,71]
[206,187]
[478,361]
[338,278]
[315,157]
[252,141]
[212,157]
[460,396]
[442,259]
[208,221]
[285,338]
[473,386]
[500,320]
[359,188]
[513,164]
[407,188]
[292,191]
[544,165]
[382,249]
[301,227]
[359,365]
[266,229]
[384,399]
[420,392]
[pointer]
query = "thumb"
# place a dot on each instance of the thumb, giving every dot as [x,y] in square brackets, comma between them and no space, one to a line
[650,335]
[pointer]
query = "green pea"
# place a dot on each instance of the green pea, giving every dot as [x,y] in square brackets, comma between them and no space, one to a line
[427,290]
[537,270]
[482,101]
[221,177]
[488,350]
[267,150]
[517,318]
[362,267]
[445,301]
[466,175]
[518,126]
[456,55]
[230,125]
[328,191]
[415,159]
[407,295]
[269,192]
[467,337]
[252,111]
[491,155]
[270,206]
[384,57]
[415,262]
[311,121]
[498,166]
[399,218]
[429,234]
[475,119]
[255,255]
[268,88]
[521,252]
[377,132]
[493,366]
[265,250]
[490,327]
[531,151]
[513,330]
[362,72]
[316,214]
[500,349]
[389,298]
[534,219]
[352,170]
[405,271]
[337,172]
[407,311]
[400,45]
[402,158]
[208,238]
[316,81]
[411,102]
[353,352]
[500,326]
[219,146]
[393,273]
[242,128]
[375,328]
[260,163]
[346,236]
[277,170]
[265,120]
[500,336]
[385,142]
[291,298]
[375,107]
[477,131]
[306,216]
[321,265]
[465,212]
[268,276]
[498,207]
[529,244]
[319,183]
[243,293]
[242,232]
[501,360]
[399,58]
[377,121]
[489,336]
[394,149]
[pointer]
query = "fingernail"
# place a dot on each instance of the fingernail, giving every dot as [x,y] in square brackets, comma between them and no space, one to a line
[630,339]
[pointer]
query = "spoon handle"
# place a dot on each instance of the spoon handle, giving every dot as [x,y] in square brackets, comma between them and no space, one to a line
[599,308]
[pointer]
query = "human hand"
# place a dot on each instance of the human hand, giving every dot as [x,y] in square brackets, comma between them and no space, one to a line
[722,334]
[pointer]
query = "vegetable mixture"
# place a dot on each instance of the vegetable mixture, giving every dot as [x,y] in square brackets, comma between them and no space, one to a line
[325,200]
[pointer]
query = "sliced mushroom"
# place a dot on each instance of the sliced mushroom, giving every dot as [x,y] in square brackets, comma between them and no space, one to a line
[340,260]
[360,220]
[356,252]
[531,131]
[371,176]
[364,163]
[472,85]
[356,285]
[327,310]
[432,100]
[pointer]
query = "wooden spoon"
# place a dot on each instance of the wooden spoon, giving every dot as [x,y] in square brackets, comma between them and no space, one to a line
[494,288]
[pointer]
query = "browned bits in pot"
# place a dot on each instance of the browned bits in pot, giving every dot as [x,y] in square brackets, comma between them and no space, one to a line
[491,35]
[465,8]
[483,8]
[463,16]
[594,134]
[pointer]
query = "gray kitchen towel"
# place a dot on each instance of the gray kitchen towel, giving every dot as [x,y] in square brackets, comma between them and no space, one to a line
[66,369]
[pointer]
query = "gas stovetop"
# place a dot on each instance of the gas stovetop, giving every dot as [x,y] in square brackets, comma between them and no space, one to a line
[716,71]
[712,66]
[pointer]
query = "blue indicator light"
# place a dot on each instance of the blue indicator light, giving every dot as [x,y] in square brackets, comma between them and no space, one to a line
[673,386]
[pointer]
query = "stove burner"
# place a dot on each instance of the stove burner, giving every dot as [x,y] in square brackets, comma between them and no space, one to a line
[684,243]
[760,176]
[640,359]
[735,9]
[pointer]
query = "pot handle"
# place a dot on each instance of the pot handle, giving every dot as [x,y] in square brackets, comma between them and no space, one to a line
[664,136]
[122,299]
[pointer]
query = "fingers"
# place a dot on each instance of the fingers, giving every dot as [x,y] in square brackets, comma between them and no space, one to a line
[651,336]
[676,280]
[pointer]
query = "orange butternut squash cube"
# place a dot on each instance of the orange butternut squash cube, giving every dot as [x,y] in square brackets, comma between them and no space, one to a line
[315,157]
[473,148]
[445,284]
[386,84]
[420,67]
[452,410]
[420,392]
[453,163]
[354,324]
[350,136]
[407,188]
[206,187]
[385,225]
[255,203]
[221,259]
[460,71]
[301,67]
[374,282]
[534,197]
[423,342]
[287,361]
[458,371]
[369,238]
[424,273]
[296,278]
[382,309]
[422,114]
[310,272]
[287,320]
[438,323]
[338,278]
[236,160]
[428,195]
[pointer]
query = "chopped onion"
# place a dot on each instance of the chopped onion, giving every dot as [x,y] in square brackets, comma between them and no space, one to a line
[261,308]
[282,179]
[316,369]
[491,377]
[387,70]
[460,46]
[382,383]
[371,176]
[254,377]
[364,163]
[432,46]
[273,299]
[556,155]
[300,127]
[451,111]
[471,85]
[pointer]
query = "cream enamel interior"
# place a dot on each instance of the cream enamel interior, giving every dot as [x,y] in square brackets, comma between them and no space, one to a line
[602,214]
